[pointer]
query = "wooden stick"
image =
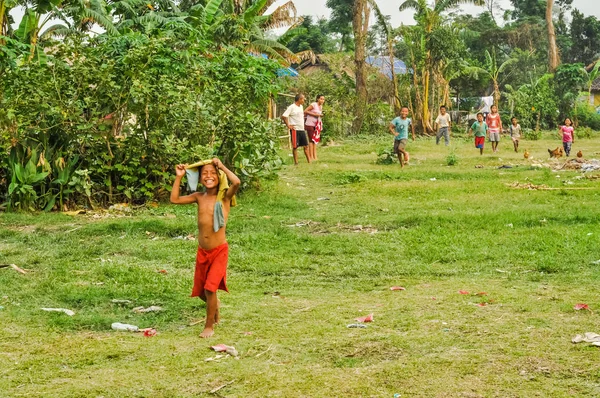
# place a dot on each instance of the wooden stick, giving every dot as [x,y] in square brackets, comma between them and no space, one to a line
[14,266]
[214,390]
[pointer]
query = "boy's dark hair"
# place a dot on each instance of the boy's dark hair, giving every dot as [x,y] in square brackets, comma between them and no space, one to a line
[404,107]
[298,97]
[443,106]
[514,117]
[479,113]
[319,96]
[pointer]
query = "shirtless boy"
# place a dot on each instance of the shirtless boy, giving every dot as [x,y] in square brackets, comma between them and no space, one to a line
[213,250]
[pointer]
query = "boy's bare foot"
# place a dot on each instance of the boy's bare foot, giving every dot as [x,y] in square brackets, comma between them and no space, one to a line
[207,332]
[217,314]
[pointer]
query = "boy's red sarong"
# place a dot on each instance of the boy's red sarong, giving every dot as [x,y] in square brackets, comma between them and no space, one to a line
[479,142]
[211,270]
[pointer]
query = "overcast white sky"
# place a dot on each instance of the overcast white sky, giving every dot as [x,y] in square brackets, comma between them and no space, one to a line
[317,8]
[390,7]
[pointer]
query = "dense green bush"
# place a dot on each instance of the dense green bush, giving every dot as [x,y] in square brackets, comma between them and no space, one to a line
[585,115]
[118,113]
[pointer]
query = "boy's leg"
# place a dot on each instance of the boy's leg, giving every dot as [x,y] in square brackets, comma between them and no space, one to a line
[307,154]
[481,151]
[438,135]
[447,136]
[212,308]
[295,153]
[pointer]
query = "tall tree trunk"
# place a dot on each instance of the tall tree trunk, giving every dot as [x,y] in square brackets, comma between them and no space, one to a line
[360,25]
[426,83]
[397,104]
[553,57]
[496,92]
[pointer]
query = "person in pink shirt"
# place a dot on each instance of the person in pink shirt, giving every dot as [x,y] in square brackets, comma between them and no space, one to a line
[314,125]
[494,127]
[568,135]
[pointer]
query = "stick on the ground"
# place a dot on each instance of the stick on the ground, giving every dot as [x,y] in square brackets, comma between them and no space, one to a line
[214,390]
[14,266]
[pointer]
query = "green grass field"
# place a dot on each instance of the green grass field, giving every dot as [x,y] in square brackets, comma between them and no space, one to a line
[330,238]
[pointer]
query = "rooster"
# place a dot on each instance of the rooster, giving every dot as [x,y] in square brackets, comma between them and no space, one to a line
[526,154]
[579,154]
[557,153]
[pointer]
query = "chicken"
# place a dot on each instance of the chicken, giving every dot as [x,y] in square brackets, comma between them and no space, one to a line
[526,154]
[557,153]
[579,154]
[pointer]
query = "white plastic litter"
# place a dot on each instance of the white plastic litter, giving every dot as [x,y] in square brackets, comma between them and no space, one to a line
[588,337]
[63,310]
[124,327]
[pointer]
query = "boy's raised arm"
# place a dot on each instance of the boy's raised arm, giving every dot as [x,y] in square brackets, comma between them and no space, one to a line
[175,198]
[234,181]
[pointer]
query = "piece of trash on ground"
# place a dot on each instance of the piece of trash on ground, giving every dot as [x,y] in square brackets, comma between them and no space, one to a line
[124,327]
[588,337]
[481,304]
[463,292]
[581,306]
[394,288]
[63,310]
[597,262]
[225,348]
[323,198]
[433,179]
[1,307]
[357,326]
[149,332]
[509,225]
[15,267]
[142,310]
[162,271]
[368,318]
[481,294]
[118,301]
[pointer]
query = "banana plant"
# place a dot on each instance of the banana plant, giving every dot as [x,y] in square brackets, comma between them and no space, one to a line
[64,171]
[21,191]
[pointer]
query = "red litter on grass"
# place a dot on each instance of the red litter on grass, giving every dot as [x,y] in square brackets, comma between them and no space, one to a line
[463,292]
[220,347]
[368,318]
[162,271]
[581,306]
[481,294]
[393,288]
[149,332]
[481,304]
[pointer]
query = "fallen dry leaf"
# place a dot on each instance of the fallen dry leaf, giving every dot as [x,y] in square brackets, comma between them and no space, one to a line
[393,288]
[481,304]
[463,292]
[481,294]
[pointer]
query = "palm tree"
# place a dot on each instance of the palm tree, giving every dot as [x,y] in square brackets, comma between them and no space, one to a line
[389,35]
[428,20]
[245,23]
[74,15]
[492,71]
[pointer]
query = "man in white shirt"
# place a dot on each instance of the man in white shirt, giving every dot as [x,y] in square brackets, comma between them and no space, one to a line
[293,117]
[443,124]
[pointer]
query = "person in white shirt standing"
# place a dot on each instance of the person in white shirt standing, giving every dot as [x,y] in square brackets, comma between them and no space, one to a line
[443,123]
[293,117]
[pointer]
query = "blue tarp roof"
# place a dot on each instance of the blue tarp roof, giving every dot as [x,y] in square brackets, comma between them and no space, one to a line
[383,64]
[281,72]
